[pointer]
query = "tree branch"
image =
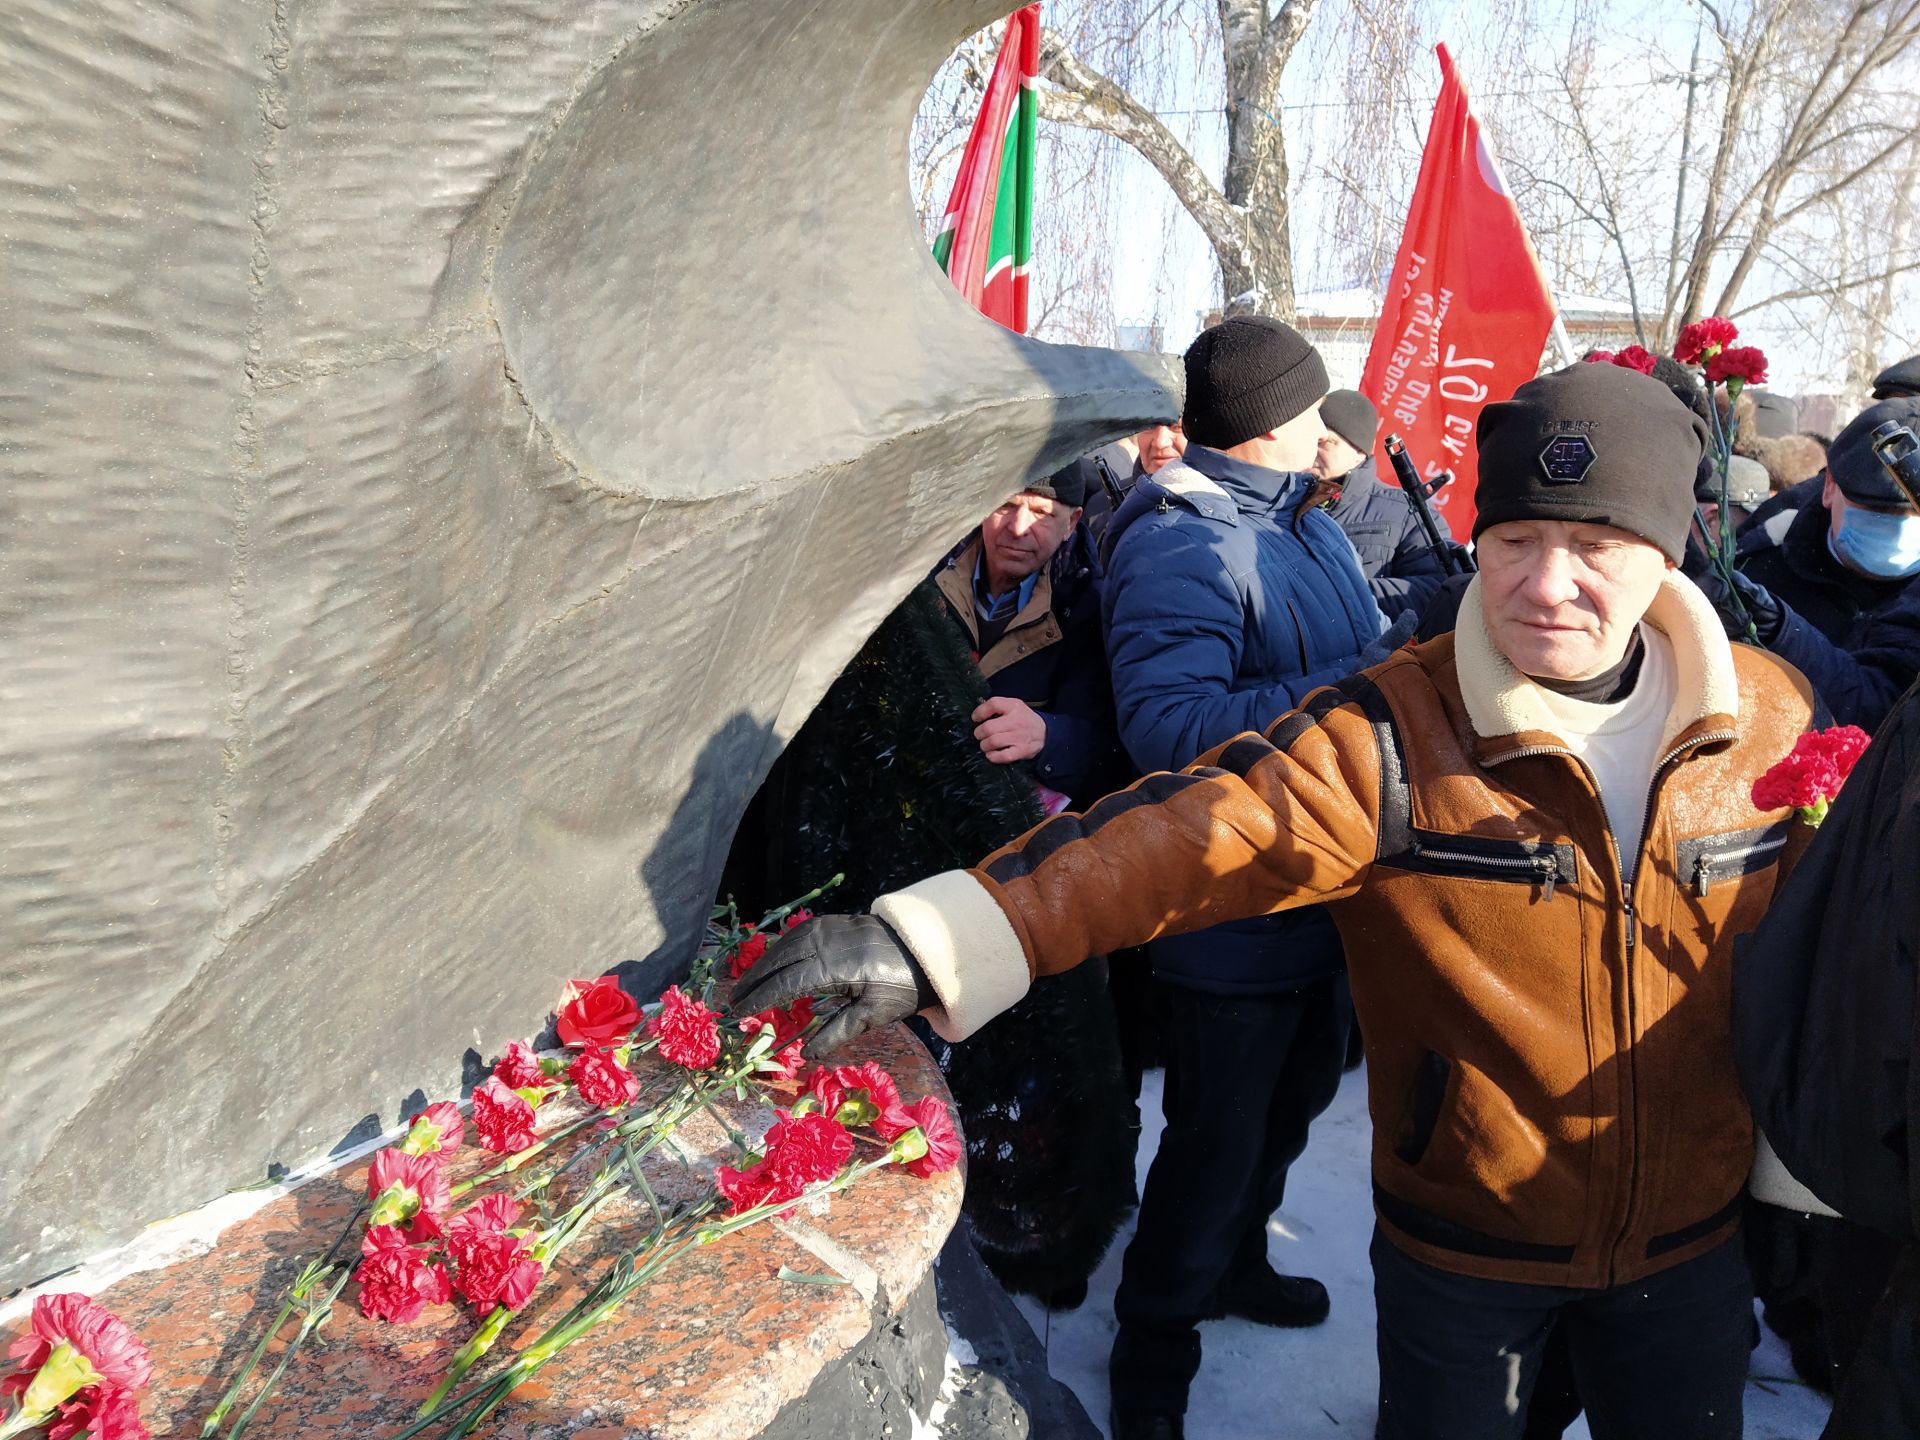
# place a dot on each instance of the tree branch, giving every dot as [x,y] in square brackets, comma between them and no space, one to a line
[1826,289]
[1081,95]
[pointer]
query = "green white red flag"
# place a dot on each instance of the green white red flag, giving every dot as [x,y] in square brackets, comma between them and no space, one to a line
[985,242]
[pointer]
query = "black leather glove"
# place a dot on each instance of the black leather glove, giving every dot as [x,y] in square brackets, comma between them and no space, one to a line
[857,956]
[1766,613]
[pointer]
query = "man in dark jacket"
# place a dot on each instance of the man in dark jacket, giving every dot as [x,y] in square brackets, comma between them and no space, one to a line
[1023,588]
[1828,590]
[1826,1019]
[1400,566]
[1225,603]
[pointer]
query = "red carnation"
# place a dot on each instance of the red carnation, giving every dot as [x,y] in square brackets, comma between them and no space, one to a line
[798,917]
[1635,357]
[746,1188]
[943,1141]
[824,1089]
[100,1412]
[435,1131]
[787,1026]
[497,1268]
[603,1080]
[894,1117]
[484,1217]
[396,1280]
[1845,744]
[1743,363]
[519,1068]
[802,1150]
[92,1332]
[1809,777]
[746,953]
[806,1149]
[597,1013]
[407,1187]
[1599,357]
[1703,339]
[503,1119]
[75,1353]
[689,1032]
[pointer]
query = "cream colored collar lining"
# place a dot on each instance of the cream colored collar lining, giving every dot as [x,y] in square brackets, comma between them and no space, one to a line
[1501,701]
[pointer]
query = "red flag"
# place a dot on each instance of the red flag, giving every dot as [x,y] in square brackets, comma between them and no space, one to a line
[985,243]
[1467,311]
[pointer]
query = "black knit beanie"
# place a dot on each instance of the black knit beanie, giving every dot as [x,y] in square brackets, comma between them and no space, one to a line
[1068,484]
[1594,443]
[1351,416]
[1246,376]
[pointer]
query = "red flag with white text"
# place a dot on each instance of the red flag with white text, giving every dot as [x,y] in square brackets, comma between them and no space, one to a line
[1467,310]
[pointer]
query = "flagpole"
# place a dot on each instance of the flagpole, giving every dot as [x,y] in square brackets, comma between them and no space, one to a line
[1560,337]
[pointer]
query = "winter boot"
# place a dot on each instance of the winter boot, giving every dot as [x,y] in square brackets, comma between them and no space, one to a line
[1266,1298]
[1147,1379]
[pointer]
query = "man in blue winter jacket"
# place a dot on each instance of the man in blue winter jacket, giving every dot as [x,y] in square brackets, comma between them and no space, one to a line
[1228,598]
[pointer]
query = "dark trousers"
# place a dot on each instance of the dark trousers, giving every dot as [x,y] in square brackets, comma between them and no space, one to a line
[1665,1356]
[1245,1077]
[1818,1278]
[1881,1397]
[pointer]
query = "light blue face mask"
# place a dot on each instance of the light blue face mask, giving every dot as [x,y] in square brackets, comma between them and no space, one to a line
[1882,543]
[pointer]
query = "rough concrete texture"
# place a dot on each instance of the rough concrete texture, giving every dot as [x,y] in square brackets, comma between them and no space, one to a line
[445,449]
[880,1387]
[1004,1390]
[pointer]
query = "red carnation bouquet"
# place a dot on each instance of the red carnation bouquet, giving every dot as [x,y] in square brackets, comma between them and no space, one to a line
[490,1241]
[1809,777]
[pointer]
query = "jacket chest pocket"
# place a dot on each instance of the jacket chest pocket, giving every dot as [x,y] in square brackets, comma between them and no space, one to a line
[1708,860]
[1474,857]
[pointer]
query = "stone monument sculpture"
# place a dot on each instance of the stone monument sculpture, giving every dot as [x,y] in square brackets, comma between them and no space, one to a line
[445,450]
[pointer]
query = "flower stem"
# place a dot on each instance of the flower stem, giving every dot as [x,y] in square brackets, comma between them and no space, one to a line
[793,905]
[315,1318]
[516,1161]
[219,1415]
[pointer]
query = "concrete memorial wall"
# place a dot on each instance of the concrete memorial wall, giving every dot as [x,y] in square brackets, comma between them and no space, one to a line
[445,449]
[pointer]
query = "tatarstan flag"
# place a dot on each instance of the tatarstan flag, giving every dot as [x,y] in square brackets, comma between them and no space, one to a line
[985,243]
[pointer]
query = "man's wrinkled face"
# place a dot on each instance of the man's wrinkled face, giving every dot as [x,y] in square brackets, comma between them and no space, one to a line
[1336,459]
[1561,598]
[1159,446]
[1022,535]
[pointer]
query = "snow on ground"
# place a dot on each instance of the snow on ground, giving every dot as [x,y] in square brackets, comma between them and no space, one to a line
[1262,1384]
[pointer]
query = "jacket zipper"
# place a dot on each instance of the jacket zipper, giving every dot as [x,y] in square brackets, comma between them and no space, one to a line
[1633,934]
[1704,864]
[1546,870]
[1630,922]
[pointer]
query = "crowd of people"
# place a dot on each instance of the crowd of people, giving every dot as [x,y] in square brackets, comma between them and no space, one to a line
[1517,852]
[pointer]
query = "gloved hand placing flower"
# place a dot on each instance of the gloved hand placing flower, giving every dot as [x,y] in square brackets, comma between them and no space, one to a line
[858,957]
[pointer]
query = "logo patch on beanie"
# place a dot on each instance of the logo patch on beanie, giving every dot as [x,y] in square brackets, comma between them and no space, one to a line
[1567,458]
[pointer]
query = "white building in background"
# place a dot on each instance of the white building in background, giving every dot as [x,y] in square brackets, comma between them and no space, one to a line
[1139,335]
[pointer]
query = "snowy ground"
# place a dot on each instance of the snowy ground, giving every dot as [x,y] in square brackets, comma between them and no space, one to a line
[1261,1384]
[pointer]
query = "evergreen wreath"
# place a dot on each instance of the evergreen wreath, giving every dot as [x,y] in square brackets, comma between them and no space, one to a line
[886,784]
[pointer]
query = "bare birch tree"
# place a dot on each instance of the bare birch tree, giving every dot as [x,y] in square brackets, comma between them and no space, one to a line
[1802,103]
